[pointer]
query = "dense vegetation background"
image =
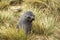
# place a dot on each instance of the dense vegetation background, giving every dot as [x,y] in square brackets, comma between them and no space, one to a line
[46,25]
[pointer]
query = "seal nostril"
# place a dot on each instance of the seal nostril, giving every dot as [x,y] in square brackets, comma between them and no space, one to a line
[33,19]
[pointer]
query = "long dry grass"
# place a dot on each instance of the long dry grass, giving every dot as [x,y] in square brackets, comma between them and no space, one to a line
[46,25]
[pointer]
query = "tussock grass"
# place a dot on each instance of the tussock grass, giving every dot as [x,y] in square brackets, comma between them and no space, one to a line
[12,34]
[45,26]
[43,23]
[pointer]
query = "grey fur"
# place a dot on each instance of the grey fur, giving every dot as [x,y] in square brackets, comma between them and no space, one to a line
[25,21]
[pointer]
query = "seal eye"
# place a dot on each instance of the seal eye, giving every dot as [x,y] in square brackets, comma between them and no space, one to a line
[28,17]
